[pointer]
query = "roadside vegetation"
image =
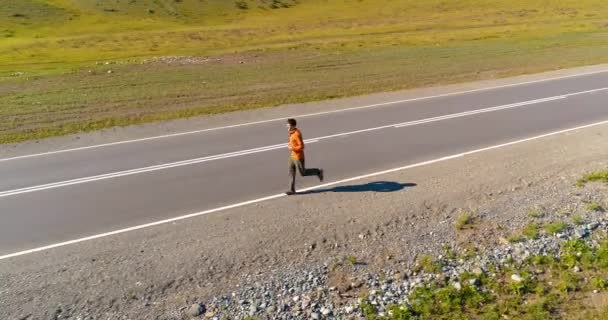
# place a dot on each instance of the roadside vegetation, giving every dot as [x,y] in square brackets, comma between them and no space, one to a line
[571,286]
[597,176]
[570,282]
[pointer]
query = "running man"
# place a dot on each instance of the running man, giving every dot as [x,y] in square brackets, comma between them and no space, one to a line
[296,161]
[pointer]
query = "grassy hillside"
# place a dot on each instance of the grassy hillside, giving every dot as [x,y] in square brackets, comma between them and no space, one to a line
[265,52]
[68,31]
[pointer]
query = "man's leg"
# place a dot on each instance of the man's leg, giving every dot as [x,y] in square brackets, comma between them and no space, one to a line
[292,176]
[309,172]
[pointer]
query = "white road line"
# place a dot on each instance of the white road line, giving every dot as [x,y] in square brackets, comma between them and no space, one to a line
[141,170]
[585,92]
[276,196]
[469,113]
[303,116]
[118,174]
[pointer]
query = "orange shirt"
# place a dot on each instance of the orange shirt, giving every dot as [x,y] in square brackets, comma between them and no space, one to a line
[296,144]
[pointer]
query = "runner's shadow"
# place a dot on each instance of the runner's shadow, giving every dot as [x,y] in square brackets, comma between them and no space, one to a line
[378,186]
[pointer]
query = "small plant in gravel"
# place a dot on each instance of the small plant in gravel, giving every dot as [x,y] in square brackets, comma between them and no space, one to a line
[369,311]
[400,312]
[448,251]
[465,221]
[541,261]
[599,283]
[520,288]
[602,255]
[531,231]
[576,253]
[427,264]
[515,238]
[598,176]
[567,281]
[469,251]
[534,213]
[352,260]
[578,220]
[556,227]
[594,206]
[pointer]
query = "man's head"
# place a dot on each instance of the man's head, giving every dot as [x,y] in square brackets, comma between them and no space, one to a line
[291,123]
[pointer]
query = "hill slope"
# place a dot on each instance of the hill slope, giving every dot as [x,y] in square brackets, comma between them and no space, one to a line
[68,17]
[86,30]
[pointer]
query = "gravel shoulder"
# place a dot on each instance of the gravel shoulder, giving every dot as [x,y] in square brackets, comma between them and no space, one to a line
[159,272]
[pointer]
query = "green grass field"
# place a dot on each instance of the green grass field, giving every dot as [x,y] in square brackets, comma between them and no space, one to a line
[54,78]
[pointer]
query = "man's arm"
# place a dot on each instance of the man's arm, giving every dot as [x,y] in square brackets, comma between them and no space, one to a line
[297,143]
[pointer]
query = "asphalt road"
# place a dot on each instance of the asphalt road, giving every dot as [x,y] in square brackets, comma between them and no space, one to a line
[58,197]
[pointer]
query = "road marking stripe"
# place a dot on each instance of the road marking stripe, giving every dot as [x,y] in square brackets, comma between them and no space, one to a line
[276,196]
[303,115]
[170,165]
[468,113]
[140,170]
